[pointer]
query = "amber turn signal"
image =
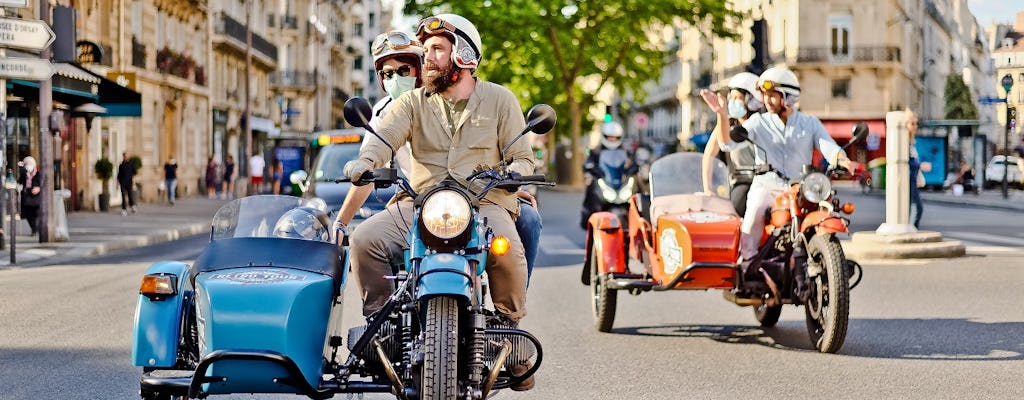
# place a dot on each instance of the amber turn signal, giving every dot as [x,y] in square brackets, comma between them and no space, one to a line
[500,245]
[848,208]
[157,285]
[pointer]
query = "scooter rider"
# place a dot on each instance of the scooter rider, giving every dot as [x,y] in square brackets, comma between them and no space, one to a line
[743,101]
[453,124]
[611,139]
[788,138]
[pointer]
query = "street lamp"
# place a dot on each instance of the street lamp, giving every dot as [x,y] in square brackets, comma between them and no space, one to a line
[1007,83]
[89,111]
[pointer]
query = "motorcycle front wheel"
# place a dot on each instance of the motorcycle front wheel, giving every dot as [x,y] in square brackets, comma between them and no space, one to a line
[440,353]
[603,299]
[827,311]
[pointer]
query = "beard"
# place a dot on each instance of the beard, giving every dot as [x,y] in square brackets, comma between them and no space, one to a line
[441,79]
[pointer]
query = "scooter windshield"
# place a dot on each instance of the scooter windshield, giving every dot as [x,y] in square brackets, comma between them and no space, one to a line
[612,163]
[680,173]
[253,216]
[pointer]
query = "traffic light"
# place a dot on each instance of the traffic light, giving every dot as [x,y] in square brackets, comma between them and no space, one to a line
[760,44]
[608,113]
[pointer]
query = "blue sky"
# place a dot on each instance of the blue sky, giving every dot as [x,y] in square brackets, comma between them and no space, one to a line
[989,11]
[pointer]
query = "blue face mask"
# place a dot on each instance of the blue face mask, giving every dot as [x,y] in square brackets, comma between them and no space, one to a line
[737,109]
[399,84]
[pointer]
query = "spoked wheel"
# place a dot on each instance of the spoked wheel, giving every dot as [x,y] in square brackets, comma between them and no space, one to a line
[603,299]
[440,353]
[828,309]
[768,316]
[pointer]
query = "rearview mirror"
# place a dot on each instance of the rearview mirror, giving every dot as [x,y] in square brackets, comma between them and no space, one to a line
[860,131]
[540,119]
[358,112]
[738,133]
[298,177]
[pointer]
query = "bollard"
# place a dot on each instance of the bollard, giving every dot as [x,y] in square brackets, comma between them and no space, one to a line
[60,215]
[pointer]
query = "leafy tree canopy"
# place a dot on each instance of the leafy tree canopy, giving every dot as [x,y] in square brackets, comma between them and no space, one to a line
[959,104]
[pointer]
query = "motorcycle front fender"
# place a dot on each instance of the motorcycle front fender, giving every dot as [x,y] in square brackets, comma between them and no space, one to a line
[444,274]
[822,221]
[158,322]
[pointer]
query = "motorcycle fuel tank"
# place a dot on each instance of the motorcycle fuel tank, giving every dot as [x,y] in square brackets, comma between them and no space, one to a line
[263,309]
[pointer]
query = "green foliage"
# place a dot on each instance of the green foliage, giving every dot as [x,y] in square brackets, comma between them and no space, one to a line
[561,52]
[104,169]
[137,161]
[959,104]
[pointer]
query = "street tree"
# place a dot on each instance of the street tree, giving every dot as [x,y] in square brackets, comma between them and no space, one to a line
[563,52]
[959,104]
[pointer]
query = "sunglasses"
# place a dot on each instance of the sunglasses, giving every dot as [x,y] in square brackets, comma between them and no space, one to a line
[767,86]
[388,72]
[395,40]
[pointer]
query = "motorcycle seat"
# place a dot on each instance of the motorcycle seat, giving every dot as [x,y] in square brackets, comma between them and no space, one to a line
[680,203]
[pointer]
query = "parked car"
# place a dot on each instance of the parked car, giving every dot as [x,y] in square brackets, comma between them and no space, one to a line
[996,167]
[327,168]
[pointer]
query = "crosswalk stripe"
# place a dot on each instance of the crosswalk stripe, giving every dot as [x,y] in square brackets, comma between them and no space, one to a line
[985,238]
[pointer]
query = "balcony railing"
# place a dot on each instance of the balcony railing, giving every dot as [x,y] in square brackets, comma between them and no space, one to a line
[138,53]
[292,78]
[856,54]
[225,25]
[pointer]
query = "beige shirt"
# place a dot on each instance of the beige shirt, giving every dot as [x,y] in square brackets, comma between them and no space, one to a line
[491,120]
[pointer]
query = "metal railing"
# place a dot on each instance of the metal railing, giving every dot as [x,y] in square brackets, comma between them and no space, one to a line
[225,25]
[852,55]
[292,78]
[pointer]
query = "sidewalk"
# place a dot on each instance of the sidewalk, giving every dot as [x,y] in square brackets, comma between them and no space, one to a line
[98,233]
[987,198]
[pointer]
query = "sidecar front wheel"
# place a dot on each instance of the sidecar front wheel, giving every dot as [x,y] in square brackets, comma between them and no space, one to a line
[603,299]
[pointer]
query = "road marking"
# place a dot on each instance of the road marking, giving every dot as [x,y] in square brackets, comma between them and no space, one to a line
[985,239]
[560,245]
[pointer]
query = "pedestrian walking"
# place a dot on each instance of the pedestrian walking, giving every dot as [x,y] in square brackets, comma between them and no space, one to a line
[171,178]
[126,179]
[276,175]
[228,183]
[256,165]
[211,177]
[30,181]
[917,168]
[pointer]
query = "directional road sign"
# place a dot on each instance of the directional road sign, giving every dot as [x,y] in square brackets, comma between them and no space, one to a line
[991,100]
[30,69]
[28,34]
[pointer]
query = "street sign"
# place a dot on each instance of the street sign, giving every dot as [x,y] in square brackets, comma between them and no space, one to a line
[991,100]
[641,120]
[30,69]
[28,34]
[1007,82]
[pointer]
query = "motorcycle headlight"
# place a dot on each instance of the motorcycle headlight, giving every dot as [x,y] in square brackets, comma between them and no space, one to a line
[607,192]
[445,214]
[816,187]
[626,190]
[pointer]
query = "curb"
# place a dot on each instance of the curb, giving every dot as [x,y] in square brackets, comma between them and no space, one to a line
[155,238]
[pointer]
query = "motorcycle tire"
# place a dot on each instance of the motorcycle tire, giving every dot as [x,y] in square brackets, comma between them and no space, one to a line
[865,185]
[439,380]
[603,300]
[827,312]
[768,316]
[148,395]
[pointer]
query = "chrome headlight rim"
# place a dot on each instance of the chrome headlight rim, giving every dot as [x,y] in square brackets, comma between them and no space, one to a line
[816,187]
[446,214]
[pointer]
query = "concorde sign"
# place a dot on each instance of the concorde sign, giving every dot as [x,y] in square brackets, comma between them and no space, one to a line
[30,69]
[28,34]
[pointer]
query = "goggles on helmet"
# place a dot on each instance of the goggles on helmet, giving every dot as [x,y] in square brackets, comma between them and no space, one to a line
[436,26]
[396,40]
[768,85]
[387,72]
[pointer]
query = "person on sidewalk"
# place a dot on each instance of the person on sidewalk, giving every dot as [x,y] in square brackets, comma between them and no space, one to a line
[227,185]
[211,178]
[916,168]
[276,175]
[30,181]
[256,165]
[126,179]
[171,178]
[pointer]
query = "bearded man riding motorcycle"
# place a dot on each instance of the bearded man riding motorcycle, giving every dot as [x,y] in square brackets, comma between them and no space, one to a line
[788,139]
[453,124]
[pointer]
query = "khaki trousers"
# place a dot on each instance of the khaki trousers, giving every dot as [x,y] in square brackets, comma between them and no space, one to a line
[379,242]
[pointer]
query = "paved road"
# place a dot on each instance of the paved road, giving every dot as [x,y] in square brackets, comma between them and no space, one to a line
[942,329]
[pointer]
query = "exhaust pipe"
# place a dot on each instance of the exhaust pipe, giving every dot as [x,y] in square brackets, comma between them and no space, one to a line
[506,349]
[396,383]
[742,302]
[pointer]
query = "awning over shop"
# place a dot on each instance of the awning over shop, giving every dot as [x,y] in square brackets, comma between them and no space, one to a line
[265,125]
[119,101]
[74,85]
[843,129]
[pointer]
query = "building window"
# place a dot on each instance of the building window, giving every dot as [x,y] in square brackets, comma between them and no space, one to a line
[841,28]
[1020,78]
[370,19]
[358,63]
[841,88]
[357,29]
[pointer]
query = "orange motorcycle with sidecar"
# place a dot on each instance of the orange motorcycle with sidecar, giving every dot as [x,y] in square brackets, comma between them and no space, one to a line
[681,238]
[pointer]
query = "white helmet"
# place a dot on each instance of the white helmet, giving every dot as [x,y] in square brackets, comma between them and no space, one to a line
[611,130]
[782,80]
[466,51]
[396,44]
[744,80]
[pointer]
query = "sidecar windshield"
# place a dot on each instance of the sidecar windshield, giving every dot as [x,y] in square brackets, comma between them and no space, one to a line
[612,163]
[253,216]
[680,173]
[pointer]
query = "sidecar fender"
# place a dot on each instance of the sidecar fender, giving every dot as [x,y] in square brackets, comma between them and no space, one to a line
[605,232]
[444,274]
[158,322]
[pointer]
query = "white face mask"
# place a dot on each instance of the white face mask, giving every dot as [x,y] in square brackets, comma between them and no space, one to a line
[30,167]
[399,84]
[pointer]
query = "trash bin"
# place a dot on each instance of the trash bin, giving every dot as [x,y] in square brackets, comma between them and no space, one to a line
[877,168]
